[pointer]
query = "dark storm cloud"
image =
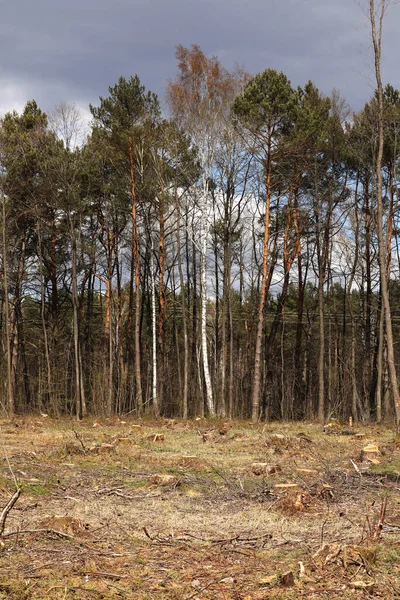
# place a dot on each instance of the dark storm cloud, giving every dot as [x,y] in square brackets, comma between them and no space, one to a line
[52,50]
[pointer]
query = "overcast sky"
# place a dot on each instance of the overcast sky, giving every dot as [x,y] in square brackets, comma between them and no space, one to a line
[72,50]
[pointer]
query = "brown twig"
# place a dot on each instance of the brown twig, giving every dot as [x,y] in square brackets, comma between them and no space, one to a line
[118,492]
[200,590]
[321,591]
[80,441]
[147,533]
[105,575]
[242,540]
[381,520]
[7,509]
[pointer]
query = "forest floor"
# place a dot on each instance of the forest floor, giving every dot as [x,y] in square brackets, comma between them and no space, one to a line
[175,510]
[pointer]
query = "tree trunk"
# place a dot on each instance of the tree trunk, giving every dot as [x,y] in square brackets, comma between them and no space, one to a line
[184,315]
[321,355]
[10,396]
[255,409]
[377,43]
[204,344]
[43,315]
[79,393]
[203,288]
[156,406]
[135,260]
[161,297]
[379,364]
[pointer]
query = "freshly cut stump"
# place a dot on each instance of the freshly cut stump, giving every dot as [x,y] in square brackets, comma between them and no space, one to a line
[67,525]
[370,452]
[165,480]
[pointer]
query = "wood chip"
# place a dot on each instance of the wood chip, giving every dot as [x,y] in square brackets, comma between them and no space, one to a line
[284,486]
[156,437]
[307,471]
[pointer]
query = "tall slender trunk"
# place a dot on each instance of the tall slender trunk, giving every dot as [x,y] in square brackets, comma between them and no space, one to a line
[10,396]
[321,355]
[156,406]
[184,315]
[299,389]
[16,319]
[226,314]
[122,370]
[204,299]
[381,327]
[135,260]
[231,407]
[109,324]
[284,408]
[221,408]
[323,250]
[331,342]
[204,344]
[53,270]
[43,315]
[195,357]
[354,390]
[255,409]
[379,363]
[288,259]
[79,392]
[377,43]
[161,297]
[368,300]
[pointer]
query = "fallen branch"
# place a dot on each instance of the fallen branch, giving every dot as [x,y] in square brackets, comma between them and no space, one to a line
[53,531]
[357,470]
[8,507]
[105,575]
[321,591]
[118,492]
[237,540]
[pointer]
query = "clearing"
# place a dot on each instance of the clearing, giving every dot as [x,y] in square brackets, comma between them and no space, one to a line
[130,508]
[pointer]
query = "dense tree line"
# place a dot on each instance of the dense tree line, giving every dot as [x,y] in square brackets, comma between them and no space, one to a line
[225,259]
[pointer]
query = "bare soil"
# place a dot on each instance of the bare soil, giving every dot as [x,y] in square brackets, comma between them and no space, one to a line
[173,510]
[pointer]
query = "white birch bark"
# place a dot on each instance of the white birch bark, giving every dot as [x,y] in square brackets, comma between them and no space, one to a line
[204,210]
[156,407]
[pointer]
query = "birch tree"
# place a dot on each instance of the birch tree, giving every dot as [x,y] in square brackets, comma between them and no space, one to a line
[197,99]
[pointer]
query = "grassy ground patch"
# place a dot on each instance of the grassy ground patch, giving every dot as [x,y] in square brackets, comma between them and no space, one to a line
[173,510]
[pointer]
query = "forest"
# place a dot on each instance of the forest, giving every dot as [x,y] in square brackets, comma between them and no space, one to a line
[235,254]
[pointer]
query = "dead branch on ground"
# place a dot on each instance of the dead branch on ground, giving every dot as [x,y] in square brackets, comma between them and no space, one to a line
[46,530]
[8,507]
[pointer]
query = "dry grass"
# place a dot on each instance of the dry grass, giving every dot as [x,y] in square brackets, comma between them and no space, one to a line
[94,522]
